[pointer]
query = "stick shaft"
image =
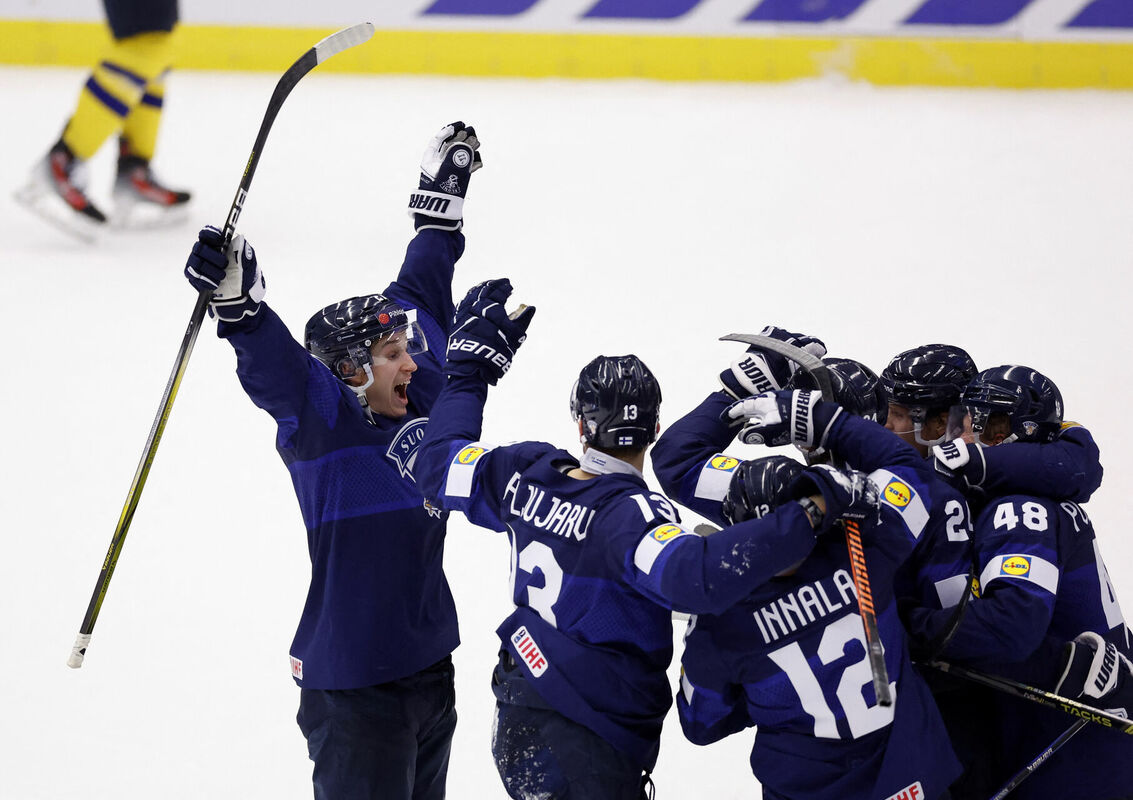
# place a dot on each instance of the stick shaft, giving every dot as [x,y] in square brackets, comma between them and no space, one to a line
[335,43]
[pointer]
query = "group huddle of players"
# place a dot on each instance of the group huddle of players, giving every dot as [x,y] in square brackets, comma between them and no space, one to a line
[965,486]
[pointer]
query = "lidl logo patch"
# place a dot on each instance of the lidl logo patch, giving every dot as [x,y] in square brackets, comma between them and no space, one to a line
[724,463]
[1016,565]
[667,532]
[898,493]
[469,454]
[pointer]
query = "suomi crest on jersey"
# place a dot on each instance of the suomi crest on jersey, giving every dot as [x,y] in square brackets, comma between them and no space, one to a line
[403,448]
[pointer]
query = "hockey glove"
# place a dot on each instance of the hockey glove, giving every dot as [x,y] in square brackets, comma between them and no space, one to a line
[758,371]
[485,337]
[1097,674]
[449,161]
[237,285]
[784,417]
[961,464]
[848,494]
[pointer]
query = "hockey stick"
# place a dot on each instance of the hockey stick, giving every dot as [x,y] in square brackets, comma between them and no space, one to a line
[1039,760]
[1040,696]
[332,45]
[814,367]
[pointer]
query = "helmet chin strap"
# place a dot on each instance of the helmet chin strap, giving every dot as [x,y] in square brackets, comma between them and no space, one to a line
[361,390]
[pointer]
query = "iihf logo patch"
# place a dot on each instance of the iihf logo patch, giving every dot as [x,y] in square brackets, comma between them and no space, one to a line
[403,449]
[296,668]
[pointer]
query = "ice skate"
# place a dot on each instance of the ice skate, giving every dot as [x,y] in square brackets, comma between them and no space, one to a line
[141,200]
[55,192]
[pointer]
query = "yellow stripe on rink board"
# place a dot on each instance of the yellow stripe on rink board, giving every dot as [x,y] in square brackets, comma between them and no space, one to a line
[880,60]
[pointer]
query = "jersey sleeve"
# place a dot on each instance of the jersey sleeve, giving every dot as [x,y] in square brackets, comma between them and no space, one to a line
[687,459]
[1018,576]
[709,715]
[868,446]
[678,568]
[425,279]
[1068,468]
[275,370]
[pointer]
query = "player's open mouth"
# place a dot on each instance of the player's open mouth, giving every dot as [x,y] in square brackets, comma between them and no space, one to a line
[402,391]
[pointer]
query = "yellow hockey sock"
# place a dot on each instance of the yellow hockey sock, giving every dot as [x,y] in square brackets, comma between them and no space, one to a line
[141,125]
[115,88]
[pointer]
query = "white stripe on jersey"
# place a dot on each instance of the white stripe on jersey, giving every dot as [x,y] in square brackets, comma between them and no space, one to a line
[950,590]
[715,476]
[902,498]
[1022,567]
[463,467]
[654,542]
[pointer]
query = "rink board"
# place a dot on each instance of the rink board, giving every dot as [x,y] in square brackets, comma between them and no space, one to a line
[995,56]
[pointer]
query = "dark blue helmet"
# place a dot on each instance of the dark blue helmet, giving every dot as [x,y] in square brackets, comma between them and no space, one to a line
[928,378]
[759,486]
[1029,398]
[856,388]
[619,401]
[340,335]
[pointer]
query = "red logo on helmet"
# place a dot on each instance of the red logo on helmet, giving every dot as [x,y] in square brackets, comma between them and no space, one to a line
[383,318]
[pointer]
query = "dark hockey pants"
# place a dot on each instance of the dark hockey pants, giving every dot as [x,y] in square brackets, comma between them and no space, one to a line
[384,742]
[540,753]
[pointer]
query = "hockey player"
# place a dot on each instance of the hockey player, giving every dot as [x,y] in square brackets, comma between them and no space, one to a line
[1041,580]
[790,659]
[924,385]
[123,95]
[372,651]
[599,561]
[692,467]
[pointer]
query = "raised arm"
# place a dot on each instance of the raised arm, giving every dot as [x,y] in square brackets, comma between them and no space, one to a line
[437,208]
[480,351]
[273,368]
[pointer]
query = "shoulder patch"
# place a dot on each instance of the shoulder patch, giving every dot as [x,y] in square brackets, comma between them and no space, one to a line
[715,477]
[403,449]
[654,542]
[463,467]
[1024,567]
[899,495]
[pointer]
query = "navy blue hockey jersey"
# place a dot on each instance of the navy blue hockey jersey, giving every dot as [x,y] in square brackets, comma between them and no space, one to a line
[791,660]
[1042,580]
[597,567]
[378,607]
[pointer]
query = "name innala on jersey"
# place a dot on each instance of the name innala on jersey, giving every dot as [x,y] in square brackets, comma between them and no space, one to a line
[797,609]
[548,512]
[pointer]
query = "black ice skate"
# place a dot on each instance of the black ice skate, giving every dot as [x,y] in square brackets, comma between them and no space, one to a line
[55,191]
[140,199]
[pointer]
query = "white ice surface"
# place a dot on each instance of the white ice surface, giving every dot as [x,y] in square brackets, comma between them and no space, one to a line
[639,217]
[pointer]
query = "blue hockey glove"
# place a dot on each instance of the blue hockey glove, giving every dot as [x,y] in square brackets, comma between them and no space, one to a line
[758,371]
[485,337]
[784,417]
[237,285]
[961,464]
[1096,673]
[446,167]
[848,494]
